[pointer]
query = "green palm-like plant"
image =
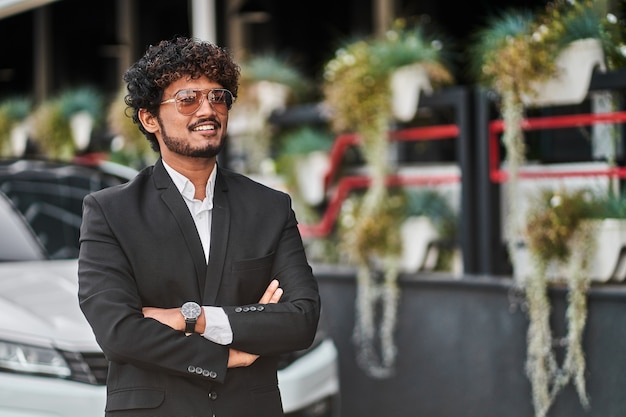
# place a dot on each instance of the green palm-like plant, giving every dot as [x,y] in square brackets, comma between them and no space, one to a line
[83,99]
[274,68]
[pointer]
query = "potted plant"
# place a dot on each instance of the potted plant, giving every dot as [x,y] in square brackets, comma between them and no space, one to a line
[358,93]
[429,232]
[268,83]
[563,235]
[585,38]
[14,126]
[129,146]
[63,125]
[303,160]
[517,55]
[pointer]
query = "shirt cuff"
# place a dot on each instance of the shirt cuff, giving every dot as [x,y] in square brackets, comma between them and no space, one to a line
[217,328]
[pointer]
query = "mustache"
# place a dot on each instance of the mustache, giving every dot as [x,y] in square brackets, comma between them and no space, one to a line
[206,120]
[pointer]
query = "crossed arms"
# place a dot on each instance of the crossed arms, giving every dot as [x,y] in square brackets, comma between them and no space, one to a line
[173,318]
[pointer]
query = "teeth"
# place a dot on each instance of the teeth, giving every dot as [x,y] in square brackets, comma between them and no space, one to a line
[205,127]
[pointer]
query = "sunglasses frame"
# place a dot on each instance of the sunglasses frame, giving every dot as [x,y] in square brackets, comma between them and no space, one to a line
[204,93]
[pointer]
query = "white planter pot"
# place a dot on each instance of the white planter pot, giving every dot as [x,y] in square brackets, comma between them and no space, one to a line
[271,96]
[575,65]
[19,138]
[418,252]
[81,124]
[310,173]
[608,262]
[407,83]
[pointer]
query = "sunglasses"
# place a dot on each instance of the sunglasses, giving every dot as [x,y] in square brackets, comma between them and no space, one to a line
[189,101]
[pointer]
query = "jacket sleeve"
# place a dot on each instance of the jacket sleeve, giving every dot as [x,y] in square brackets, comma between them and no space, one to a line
[110,301]
[290,324]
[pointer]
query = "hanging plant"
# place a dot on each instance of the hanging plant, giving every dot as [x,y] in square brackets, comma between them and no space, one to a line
[268,83]
[436,208]
[557,231]
[129,146]
[302,161]
[273,68]
[13,114]
[513,54]
[52,131]
[516,51]
[357,93]
[54,122]
[509,60]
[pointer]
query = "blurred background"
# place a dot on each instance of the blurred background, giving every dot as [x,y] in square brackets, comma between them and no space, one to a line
[439,331]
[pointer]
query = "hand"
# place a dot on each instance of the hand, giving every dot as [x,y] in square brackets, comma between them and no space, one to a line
[168,316]
[237,358]
[272,293]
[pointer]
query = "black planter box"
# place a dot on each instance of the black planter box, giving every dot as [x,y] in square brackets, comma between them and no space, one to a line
[462,349]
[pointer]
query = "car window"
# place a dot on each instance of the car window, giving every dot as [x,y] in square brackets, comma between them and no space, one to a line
[49,195]
[19,242]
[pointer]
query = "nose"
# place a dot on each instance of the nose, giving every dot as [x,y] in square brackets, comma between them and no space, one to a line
[206,106]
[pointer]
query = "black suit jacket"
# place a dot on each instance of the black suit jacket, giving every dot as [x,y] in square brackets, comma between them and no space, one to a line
[139,247]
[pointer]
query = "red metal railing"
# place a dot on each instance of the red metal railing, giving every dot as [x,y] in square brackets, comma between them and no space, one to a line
[346,184]
[496,127]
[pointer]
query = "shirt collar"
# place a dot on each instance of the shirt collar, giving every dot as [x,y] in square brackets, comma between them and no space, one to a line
[186,188]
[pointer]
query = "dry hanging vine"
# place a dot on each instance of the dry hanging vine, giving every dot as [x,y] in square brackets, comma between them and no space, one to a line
[358,94]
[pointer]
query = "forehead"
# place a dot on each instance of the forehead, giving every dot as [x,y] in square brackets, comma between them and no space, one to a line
[202,83]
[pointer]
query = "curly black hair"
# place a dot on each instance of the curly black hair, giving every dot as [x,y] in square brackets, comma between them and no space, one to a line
[170,61]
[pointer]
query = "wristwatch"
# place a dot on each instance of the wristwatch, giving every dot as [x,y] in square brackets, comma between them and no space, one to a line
[190,311]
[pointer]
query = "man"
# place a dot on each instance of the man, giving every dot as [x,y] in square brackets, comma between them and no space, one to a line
[187,232]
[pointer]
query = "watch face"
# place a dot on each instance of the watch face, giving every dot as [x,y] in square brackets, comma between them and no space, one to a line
[190,310]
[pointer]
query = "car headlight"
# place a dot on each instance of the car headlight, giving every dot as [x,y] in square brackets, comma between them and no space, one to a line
[22,358]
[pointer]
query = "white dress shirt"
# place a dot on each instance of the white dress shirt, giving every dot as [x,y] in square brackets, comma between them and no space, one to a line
[217,327]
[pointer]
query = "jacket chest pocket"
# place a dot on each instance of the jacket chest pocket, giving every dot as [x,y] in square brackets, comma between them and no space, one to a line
[250,278]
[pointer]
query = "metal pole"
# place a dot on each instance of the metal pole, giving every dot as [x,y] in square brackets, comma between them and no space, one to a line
[42,53]
[203,20]
[383,14]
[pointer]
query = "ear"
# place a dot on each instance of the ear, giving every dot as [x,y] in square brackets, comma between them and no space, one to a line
[148,120]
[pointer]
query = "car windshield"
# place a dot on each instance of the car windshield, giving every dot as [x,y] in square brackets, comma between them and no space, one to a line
[18,242]
[49,196]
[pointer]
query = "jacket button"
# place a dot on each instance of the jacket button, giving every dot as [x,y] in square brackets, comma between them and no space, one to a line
[191,369]
[238,309]
[260,308]
[213,395]
[213,374]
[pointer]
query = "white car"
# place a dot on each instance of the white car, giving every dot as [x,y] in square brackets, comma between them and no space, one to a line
[50,363]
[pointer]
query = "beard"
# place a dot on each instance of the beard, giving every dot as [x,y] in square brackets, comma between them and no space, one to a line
[182,146]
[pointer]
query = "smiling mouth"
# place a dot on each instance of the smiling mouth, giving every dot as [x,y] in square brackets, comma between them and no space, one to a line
[204,128]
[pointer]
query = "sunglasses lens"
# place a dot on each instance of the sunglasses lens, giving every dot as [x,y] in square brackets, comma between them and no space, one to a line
[188,101]
[221,97]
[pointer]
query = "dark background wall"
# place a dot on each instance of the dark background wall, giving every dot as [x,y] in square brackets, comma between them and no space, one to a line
[308,32]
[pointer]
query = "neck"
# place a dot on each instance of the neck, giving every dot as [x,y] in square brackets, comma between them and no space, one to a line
[197,170]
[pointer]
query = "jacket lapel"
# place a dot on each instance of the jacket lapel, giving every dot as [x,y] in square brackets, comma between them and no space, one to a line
[219,240]
[174,201]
